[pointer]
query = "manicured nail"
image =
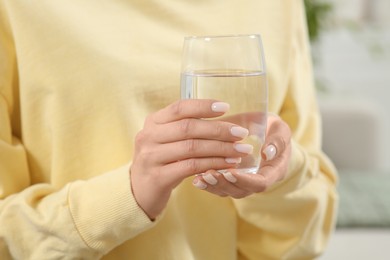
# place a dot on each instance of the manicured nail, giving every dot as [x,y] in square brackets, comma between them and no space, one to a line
[233,160]
[199,184]
[270,152]
[243,148]
[239,131]
[229,177]
[209,178]
[220,107]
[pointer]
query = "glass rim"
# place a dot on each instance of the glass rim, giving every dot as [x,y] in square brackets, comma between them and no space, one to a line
[205,37]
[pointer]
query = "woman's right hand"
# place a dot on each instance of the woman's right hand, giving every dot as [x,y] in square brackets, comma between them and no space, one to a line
[175,143]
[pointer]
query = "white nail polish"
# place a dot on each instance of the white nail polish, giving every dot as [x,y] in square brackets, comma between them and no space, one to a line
[233,160]
[243,148]
[270,152]
[229,177]
[199,184]
[239,131]
[220,107]
[210,179]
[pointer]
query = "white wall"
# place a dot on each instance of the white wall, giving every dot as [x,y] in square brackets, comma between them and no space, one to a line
[354,60]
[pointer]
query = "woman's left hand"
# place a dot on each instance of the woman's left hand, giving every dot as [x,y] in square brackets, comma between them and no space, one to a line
[276,153]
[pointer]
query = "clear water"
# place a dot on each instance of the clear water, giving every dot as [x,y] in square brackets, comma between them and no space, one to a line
[246,92]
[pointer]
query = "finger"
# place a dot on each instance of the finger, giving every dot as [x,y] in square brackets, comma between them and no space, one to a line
[217,183]
[269,152]
[246,183]
[200,183]
[199,129]
[194,166]
[277,140]
[225,184]
[190,108]
[197,148]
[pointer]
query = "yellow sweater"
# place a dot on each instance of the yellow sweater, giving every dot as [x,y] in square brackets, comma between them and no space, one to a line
[78,78]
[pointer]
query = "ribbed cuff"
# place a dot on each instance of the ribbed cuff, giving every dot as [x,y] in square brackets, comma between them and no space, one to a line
[104,210]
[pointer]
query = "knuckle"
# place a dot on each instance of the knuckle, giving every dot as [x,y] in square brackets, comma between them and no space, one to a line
[140,138]
[284,144]
[192,165]
[218,130]
[149,119]
[215,162]
[177,108]
[224,149]
[191,145]
[185,126]
[198,104]
[143,158]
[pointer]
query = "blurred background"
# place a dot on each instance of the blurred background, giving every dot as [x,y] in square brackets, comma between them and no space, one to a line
[351,54]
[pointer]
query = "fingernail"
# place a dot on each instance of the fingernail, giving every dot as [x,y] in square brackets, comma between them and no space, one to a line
[270,152]
[199,184]
[220,107]
[229,177]
[233,160]
[239,131]
[210,179]
[243,148]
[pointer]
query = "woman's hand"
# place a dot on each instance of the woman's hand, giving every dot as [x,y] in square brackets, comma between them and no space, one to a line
[175,143]
[276,153]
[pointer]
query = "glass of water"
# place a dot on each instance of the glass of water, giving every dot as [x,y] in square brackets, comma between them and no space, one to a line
[230,68]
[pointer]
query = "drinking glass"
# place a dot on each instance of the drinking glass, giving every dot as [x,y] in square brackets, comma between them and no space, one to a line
[231,69]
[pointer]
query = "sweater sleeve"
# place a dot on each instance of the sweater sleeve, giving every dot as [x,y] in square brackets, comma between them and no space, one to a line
[295,217]
[82,220]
